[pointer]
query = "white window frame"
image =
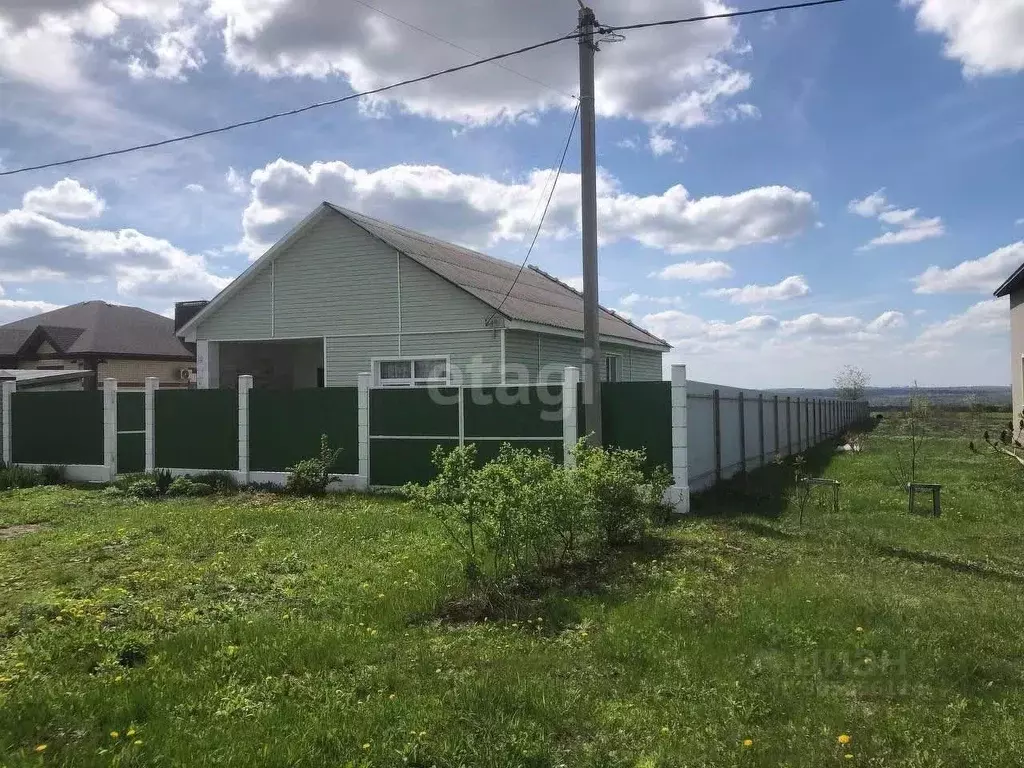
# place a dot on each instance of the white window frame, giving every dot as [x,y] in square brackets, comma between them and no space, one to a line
[412,381]
[618,367]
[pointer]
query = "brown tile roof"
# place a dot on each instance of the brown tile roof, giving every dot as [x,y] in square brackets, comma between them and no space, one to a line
[98,328]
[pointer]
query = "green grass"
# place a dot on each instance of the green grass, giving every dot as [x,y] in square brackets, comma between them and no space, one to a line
[260,630]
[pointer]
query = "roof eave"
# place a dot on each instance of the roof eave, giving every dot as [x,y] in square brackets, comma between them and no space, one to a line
[1011,283]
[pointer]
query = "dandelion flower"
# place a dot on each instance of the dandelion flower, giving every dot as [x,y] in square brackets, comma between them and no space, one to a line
[40,747]
[848,756]
[748,743]
[664,729]
[860,629]
[130,732]
[366,746]
[844,739]
[114,734]
[392,697]
[137,742]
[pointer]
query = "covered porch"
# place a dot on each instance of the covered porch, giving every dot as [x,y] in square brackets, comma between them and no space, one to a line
[277,364]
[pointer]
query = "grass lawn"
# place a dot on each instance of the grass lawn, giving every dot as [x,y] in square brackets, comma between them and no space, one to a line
[261,630]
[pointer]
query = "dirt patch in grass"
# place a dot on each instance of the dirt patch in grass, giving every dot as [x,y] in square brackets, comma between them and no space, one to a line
[14,531]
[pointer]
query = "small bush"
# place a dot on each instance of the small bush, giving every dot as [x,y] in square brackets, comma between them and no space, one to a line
[52,475]
[219,482]
[310,477]
[163,480]
[201,489]
[19,477]
[522,513]
[146,488]
[180,486]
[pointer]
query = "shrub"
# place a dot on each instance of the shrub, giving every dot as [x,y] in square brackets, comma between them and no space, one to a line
[522,513]
[200,489]
[19,477]
[219,482]
[52,475]
[310,477]
[163,480]
[146,488]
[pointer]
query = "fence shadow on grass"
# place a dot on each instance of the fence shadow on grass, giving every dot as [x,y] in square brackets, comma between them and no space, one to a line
[765,491]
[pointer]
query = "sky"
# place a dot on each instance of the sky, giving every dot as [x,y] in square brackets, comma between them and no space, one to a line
[779,195]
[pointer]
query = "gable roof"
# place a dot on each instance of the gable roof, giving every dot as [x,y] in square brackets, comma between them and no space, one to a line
[95,328]
[1013,282]
[536,297]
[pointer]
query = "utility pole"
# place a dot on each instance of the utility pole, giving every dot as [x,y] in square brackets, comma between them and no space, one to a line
[592,360]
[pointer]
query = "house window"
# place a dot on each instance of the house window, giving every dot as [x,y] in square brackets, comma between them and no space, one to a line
[612,367]
[413,372]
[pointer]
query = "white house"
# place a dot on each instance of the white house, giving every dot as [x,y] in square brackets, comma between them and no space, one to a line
[343,294]
[1014,288]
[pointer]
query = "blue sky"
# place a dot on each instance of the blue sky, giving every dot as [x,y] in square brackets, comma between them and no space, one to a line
[779,196]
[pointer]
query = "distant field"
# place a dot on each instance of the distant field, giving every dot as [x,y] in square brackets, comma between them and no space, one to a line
[890,397]
[257,630]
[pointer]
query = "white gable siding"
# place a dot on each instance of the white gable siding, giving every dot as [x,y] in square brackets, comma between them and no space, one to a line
[246,315]
[431,303]
[336,280]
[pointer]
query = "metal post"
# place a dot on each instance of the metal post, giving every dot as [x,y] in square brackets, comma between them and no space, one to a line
[716,410]
[789,425]
[588,166]
[760,424]
[743,432]
[775,424]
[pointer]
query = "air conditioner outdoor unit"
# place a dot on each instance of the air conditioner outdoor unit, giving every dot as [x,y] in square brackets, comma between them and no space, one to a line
[186,374]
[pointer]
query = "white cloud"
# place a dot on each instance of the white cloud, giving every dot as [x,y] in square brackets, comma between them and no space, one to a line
[660,144]
[237,183]
[985,36]
[982,275]
[870,206]
[197,188]
[790,288]
[815,324]
[696,271]
[633,299]
[985,317]
[887,321]
[481,211]
[680,327]
[905,226]
[67,199]
[1018,222]
[138,264]
[169,56]
[680,77]
[575,282]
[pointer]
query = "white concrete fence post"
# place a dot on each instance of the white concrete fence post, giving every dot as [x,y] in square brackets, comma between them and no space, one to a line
[152,385]
[570,413]
[364,429]
[679,493]
[244,385]
[110,427]
[9,388]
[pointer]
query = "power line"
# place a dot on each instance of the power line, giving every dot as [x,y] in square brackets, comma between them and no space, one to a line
[290,112]
[402,83]
[713,16]
[547,205]
[437,37]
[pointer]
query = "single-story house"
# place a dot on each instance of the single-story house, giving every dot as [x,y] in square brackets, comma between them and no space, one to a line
[125,343]
[1014,288]
[343,294]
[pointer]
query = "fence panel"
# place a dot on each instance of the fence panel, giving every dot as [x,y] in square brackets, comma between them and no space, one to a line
[285,427]
[57,428]
[131,432]
[638,414]
[405,427]
[197,429]
[512,412]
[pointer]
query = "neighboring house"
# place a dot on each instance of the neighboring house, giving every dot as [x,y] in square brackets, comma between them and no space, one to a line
[1014,288]
[112,341]
[343,294]
[32,380]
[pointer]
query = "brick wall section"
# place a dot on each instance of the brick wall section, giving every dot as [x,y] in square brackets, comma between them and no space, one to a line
[134,372]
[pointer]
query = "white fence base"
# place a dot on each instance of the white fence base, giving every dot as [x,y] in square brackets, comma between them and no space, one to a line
[343,483]
[78,473]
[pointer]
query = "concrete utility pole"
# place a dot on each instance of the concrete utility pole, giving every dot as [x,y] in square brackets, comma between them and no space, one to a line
[592,360]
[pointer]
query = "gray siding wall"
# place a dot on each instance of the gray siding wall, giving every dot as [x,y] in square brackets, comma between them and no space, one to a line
[544,354]
[245,316]
[1017,350]
[431,303]
[476,355]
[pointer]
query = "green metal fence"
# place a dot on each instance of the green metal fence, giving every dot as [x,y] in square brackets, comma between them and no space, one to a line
[406,425]
[57,427]
[635,415]
[285,427]
[131,432]
[197,429]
